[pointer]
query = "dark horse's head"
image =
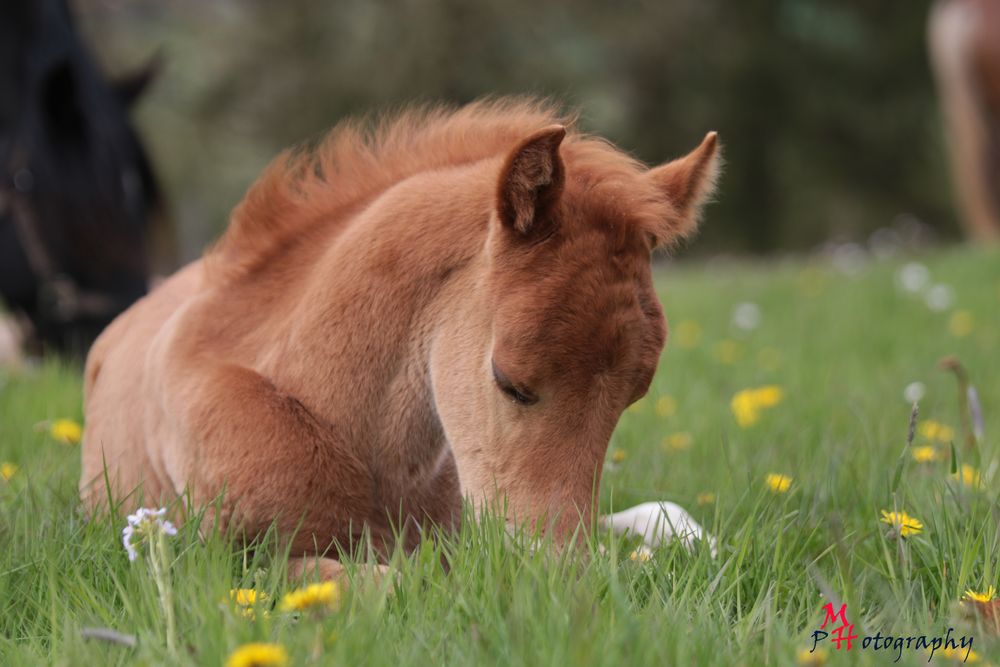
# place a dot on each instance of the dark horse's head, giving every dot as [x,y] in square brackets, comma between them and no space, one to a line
[76,189]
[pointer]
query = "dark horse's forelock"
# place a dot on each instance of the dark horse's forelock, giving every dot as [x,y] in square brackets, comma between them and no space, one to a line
[76,188]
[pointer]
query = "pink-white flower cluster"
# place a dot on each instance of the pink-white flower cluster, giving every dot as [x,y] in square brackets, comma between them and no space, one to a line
[143,525]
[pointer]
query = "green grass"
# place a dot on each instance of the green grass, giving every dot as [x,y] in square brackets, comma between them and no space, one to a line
[842,348]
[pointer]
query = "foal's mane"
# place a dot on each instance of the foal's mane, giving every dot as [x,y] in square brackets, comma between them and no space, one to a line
[360,159]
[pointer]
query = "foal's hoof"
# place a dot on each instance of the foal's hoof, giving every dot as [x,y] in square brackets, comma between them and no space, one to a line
[657,523]
[328,569]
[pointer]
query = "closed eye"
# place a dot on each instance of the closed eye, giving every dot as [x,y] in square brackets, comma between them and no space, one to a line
[520,395]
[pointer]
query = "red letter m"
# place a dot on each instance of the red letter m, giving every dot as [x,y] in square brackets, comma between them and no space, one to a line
[845,625]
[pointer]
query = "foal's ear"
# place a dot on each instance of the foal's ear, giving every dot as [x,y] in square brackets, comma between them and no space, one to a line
[531,181]
[688,183]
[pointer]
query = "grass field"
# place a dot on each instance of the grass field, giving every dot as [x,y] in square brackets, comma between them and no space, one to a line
[842,348]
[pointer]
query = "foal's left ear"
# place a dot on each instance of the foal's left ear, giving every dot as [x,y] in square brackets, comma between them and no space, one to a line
[688,183]
[531,181]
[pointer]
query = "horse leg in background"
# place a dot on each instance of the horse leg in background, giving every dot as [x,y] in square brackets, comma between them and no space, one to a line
[951,30]
[657,523]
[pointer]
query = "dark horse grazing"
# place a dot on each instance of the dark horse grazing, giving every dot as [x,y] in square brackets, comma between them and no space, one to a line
[964,40]
[76,188]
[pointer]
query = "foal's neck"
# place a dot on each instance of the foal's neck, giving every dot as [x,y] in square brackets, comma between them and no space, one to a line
[357,341]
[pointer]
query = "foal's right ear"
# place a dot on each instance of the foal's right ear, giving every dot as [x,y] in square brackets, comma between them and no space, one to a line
[531,181]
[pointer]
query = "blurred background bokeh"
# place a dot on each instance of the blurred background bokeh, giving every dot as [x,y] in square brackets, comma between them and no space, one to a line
[827,108]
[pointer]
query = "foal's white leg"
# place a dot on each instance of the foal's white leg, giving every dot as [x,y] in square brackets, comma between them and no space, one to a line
[656,523]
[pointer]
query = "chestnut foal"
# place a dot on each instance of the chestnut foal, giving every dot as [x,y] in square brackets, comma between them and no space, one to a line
[454,304]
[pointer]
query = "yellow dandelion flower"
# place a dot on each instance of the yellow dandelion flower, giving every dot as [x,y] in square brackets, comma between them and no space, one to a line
[7,471]
[258,654]
[666,406]
[66,431]
[642,554]
[676,442]
[619,455]
[924,454]
[956,654]
[769,396]
[961,323]
[325,594]
[745,412]
[687,334]
[769,359]
[727,352]
[748,403]
[638,406]
[968,476]
[811,282]
[905,524]
[246,599]
[705,499]
[972,596]
[935,431]
[778,483]
[812,658]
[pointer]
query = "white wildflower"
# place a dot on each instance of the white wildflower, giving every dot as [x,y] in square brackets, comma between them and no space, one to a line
[939,298]
[975,412]
[142,525]
[849,258]
[913,277]
[746,316]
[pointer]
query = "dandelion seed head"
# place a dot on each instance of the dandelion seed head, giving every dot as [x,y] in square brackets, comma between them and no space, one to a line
[746,316]
[914,392]
[913,277]
[939,298]
[849,258]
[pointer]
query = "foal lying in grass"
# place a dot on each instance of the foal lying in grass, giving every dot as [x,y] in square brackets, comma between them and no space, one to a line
[453,304]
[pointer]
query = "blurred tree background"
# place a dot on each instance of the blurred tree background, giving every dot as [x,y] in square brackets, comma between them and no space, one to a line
[826,107]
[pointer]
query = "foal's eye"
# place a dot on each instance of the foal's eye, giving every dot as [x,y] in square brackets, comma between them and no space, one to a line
[518,394]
